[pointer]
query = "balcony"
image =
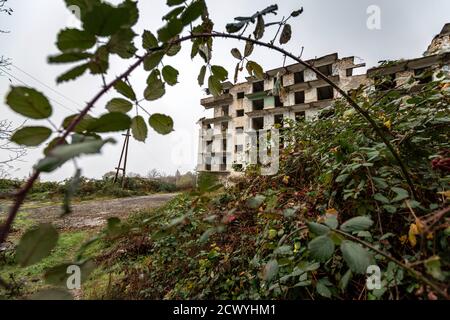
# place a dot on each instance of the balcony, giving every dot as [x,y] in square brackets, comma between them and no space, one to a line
[211,102]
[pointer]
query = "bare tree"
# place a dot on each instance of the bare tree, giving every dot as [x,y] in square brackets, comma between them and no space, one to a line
[9,152]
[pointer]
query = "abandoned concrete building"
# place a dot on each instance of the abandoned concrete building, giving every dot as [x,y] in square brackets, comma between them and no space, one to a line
[252,105]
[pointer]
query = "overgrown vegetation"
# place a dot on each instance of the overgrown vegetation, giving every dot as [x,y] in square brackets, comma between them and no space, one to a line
[337,206]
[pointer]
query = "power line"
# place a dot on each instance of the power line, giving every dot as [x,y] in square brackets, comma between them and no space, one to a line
[47,86]
[26,84]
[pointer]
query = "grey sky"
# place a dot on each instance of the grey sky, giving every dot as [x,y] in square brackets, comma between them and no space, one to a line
[326,26]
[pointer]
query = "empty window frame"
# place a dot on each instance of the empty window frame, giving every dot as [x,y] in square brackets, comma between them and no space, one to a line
[239,129]
[278,103]
[278,119]
[257,123]
[225,110]
[326,69]
[258,104]
[258,86]
[241,95]
[299,77]
[224,126]
[325,93]
[299,97]
[240,113]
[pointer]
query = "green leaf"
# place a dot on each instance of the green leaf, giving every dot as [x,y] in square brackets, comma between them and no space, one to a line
[201,76]
[170,75]
[29,103]
[356,257]
[139,128]
[124,89]
[105,20]
[234,27]
[110,122]
[296,13]
[59,155]
[256,201]
[174,13]
[248,48]
[170,30]
[161,123]
[100,62]
[322,289]
[36,244]
[173,48]
[214,86]
[122,44]
[73,73]
[343,283]
[69,57]
[270,270]
[402,194]
[357,224]
[255,70]
[171,3]
[433,267]
[119,105]
[192,12]
[286,34]
[317,228]
[153,60]
[236,53]
[260,27]
[219,72]
[31,136]
[149,41]
[331,221]
[70,39]
[380,198]
[321,248]
[155,87]
[81,126]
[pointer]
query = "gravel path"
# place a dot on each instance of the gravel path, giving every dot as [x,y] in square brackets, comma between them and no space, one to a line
[95,213]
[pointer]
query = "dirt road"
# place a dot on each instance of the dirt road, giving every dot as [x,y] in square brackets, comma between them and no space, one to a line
[95,213]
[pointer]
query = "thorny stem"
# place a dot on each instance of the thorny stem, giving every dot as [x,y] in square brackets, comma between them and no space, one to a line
[22,193]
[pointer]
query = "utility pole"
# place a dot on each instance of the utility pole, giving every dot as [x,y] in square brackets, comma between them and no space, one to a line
[123,156]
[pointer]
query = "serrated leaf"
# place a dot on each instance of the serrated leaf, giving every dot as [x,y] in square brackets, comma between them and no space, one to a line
[201,76]
[110,122]
[73,73]
[122,44]
[105,20]
[119,105]
[356,257]
[153,60]
[236,53]
[192,12]
[149,40]
[286,34]
[255,70]
[173,48]
[124,89]
[219,72]
[170,30]
[357,224]
[69,57]
[317,228]
[170,75]
[260,27]
[61,154]
[81,126]
[161,123]
[36,244]
[139,128]
[248,48]
[155,87]
[270,270]
[174,13]
[321,248]
[100,62]
[70,39]
[29,103]
[214,86]
[31,136]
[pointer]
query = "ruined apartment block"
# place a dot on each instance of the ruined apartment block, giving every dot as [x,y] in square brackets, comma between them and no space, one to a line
[245,107]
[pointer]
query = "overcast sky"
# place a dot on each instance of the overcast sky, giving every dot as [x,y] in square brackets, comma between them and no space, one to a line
[326,26]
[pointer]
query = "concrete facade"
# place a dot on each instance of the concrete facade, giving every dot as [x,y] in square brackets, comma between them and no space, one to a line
[224,139]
